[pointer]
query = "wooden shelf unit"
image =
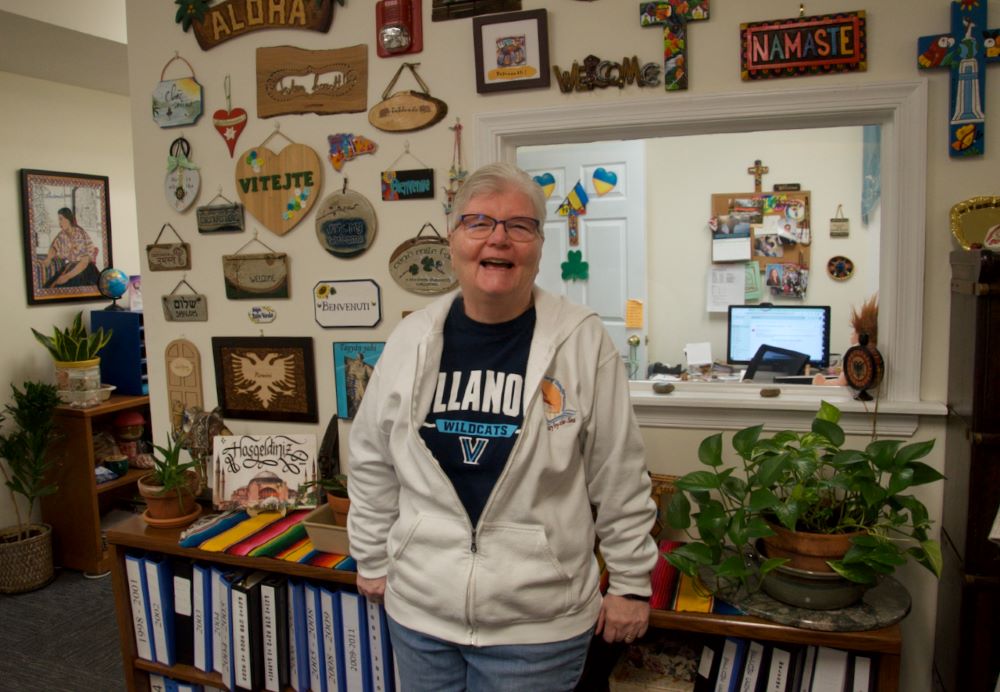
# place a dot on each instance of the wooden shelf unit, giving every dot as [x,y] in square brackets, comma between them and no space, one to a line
[75,510]
[133,534]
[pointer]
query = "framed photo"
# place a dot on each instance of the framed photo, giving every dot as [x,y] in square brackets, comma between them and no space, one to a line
[353,364]
[512,51]
[266,378]
[66,223]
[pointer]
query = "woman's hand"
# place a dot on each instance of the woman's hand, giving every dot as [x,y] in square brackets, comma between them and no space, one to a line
[372,589]
[622,619]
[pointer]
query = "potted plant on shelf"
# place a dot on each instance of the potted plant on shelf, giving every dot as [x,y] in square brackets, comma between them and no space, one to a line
[171,487]
[335,487]
[792,485]
[74,351]
[26,549]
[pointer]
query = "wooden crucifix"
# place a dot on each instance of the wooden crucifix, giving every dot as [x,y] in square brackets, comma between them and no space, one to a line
[965,51]
[757,171]
[673,16]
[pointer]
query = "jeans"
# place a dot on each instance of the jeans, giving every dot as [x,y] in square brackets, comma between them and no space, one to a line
[427,664]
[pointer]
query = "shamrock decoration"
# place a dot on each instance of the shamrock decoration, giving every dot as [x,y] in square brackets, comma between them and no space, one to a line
[189,11]
[574,267]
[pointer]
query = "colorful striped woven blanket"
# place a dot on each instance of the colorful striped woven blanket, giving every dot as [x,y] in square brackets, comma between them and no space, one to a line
[269,534]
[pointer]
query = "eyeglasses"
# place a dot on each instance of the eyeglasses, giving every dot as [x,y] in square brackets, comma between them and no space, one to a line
[521,229]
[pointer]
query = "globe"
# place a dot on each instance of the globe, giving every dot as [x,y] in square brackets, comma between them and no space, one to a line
[112,283]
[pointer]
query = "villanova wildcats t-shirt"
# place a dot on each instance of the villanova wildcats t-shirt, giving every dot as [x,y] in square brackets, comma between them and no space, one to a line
[477,410]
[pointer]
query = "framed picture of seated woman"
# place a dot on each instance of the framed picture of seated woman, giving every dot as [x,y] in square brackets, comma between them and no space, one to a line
[66,223]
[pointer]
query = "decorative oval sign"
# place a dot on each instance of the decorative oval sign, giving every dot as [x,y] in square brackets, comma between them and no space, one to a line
[423,265]
[346,224]
[262,314]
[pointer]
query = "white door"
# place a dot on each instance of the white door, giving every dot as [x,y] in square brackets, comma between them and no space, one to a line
[612,233]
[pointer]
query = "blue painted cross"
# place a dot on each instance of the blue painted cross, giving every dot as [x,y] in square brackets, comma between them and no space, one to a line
[965,51]
[673,16]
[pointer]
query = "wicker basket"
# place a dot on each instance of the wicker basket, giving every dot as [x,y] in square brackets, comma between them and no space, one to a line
[25,565]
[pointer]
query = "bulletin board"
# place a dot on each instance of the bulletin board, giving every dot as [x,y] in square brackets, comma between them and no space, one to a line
[780,231]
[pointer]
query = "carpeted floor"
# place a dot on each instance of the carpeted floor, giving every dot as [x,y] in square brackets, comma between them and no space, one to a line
[61,638]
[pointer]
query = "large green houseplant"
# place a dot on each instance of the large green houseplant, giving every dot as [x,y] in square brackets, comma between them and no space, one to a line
[26,549]
[804,482]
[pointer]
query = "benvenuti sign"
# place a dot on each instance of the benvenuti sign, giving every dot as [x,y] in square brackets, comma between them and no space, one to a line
[804,45]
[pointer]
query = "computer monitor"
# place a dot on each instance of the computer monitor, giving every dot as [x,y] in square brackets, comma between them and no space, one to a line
[802,328]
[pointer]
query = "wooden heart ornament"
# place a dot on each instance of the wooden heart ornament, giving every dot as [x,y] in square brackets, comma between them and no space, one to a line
[279,188]
[230,124]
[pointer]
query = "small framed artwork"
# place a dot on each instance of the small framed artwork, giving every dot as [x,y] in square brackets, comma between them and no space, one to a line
[266,378]
[66,223]
[512,51]
[354,363]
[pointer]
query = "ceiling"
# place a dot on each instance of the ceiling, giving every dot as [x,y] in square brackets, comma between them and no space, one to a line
[68,42]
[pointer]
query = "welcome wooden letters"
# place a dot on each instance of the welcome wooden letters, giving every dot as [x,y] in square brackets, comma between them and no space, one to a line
[234,18]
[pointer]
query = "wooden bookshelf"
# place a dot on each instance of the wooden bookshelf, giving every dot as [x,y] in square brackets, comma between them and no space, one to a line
[133,534]
[75,510]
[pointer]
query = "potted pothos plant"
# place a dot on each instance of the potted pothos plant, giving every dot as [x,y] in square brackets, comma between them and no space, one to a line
[75,353]
[26,548]
[790,484]
[335,487]
[170,488]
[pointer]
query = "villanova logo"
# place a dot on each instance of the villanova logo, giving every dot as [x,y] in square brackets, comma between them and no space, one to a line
[472,448]
[556,411]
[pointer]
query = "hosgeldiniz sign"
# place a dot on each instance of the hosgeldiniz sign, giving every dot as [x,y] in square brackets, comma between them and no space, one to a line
[232,18]
[803,45]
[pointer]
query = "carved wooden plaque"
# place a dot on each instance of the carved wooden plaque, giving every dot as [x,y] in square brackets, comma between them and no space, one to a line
[233,18]
[295,80]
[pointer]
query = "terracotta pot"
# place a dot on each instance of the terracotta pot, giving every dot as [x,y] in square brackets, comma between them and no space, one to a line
[340,507]
[807,551]
[169,505]
[25,563]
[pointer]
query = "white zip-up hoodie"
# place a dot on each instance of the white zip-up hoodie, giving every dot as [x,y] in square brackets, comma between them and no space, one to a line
[527,572]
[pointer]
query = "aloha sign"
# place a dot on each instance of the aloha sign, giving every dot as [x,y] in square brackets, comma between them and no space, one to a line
[233,18]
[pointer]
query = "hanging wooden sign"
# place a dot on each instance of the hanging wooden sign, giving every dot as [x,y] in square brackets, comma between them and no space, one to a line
[229,122]
[185,307]
[350,303]
[422,264]
[417,183]
[233,18]
[168,256]
[177,101]
[346,223]
[220,218]
[295,80]
[255,275]
[803,46]
[278,189]
[184,390]
[406,111]
[183,179]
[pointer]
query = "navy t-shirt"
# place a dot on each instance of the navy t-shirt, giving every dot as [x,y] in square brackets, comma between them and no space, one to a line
[478,402]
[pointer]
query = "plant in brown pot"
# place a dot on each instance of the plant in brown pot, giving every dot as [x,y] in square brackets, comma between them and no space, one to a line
[26,549]
[794,493]
[335,487]
[171,487]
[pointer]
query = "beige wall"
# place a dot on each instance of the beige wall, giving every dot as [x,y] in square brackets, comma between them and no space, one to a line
[56,127]
[609,29]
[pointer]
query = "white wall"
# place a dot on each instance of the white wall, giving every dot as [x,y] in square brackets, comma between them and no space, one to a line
[56,127]
[682,175]
[609,29]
